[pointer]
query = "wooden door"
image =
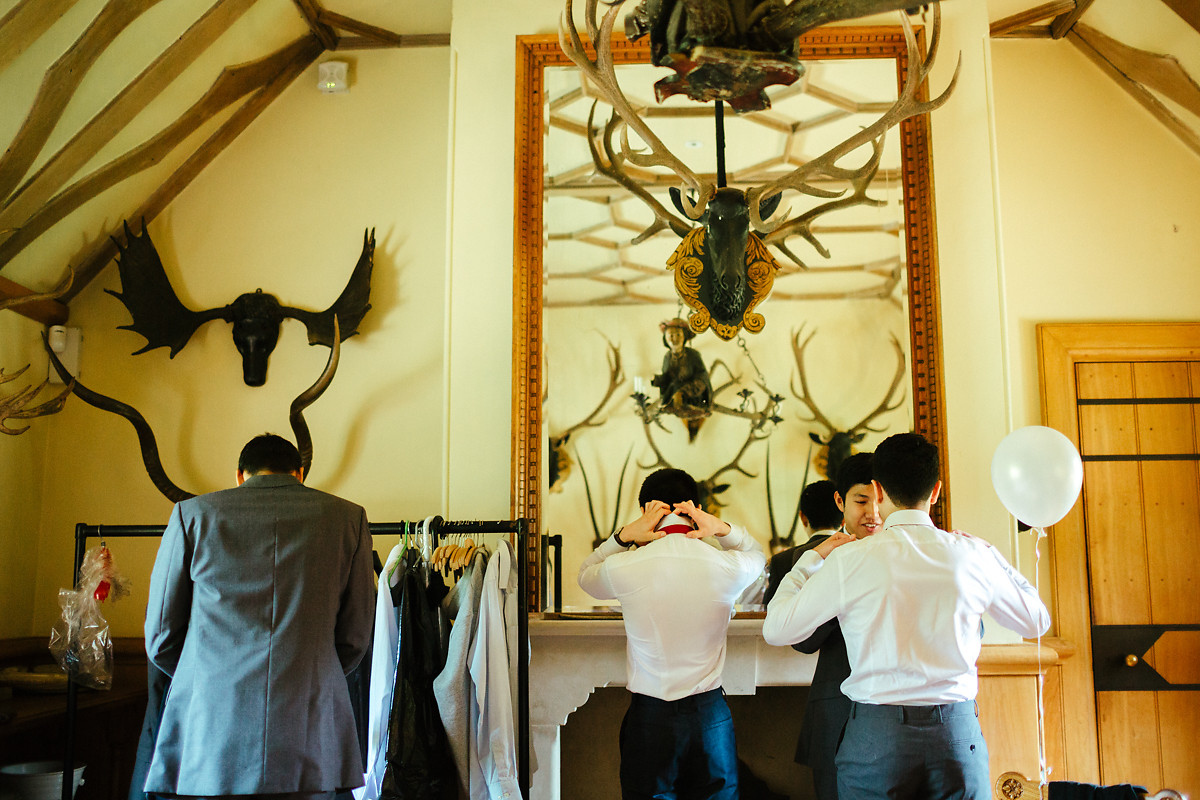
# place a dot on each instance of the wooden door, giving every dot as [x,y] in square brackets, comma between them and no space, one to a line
[1137,429]
[1137,533]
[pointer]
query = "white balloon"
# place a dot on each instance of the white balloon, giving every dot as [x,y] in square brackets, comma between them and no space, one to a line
[1037,473]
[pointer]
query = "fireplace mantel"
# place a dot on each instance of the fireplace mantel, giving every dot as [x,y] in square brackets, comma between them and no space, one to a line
[571,658]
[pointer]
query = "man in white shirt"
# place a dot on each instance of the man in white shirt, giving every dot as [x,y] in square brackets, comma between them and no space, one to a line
[909,600]
[677,594]
[827,710]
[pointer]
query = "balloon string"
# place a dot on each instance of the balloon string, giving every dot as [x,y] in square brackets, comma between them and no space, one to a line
[1043,770]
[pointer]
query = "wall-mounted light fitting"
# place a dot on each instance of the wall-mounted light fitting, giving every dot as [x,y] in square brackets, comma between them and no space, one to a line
[65,343]
[332,77]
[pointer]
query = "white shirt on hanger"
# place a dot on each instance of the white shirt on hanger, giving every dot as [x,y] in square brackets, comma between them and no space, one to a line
[384,656]
[493,722]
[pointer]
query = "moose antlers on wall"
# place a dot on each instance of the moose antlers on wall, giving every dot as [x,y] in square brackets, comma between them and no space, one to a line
[160,316]
[723,268]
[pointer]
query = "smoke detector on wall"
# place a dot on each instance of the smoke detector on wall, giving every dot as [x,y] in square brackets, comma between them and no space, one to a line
[331,77]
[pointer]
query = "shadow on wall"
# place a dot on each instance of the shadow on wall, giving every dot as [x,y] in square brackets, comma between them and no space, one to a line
[767,725]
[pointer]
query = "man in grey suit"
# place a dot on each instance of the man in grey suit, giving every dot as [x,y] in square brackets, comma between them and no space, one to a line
[261,602]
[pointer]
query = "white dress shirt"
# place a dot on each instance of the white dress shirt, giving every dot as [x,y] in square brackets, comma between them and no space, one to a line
[677,597]
[909,601]
[384,657]
[493,741]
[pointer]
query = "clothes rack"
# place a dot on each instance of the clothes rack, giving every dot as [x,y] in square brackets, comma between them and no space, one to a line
[518,528]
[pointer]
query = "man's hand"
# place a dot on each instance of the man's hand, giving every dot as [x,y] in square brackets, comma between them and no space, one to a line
[641,530]
[834,541]
[706,523]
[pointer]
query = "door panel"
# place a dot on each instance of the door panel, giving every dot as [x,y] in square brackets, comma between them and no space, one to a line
[1138,438]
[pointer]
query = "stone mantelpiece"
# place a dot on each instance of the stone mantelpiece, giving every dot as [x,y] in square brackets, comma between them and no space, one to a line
[569,659]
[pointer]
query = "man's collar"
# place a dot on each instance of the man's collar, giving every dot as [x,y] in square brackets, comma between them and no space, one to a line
[908,516]
[270,480]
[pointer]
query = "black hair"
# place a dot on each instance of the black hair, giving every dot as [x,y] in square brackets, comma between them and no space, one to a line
[855,469]
[906,466]
[671,486]
[269,453]
[818,507]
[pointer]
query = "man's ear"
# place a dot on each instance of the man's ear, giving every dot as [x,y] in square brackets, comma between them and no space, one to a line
[241,477]
[880,494]
[937,491]
[840,501]
[299,474]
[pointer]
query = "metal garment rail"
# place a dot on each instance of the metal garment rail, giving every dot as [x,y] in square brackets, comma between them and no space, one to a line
[519,528]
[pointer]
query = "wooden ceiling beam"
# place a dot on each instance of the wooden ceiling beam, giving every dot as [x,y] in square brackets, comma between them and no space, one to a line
[406,40]
[47,312]
[113,118]
[311,11]
[1064,22]
[1182,131]
[59,85]
[231,85]
[372,37]
[1162,73]
[25,23]
[1003,27]
[104,250]
[1189,10]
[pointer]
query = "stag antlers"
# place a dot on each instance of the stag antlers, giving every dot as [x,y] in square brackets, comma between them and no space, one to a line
[560,460]
[838,443]
[16,405]
[697,191]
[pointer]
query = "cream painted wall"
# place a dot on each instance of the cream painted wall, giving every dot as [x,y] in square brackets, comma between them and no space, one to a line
[1101,204]
[418,420]
[282,209]
[20,476]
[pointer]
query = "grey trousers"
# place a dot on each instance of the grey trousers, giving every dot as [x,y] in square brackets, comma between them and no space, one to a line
[921,752]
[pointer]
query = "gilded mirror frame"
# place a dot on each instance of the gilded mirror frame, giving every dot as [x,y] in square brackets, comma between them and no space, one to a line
[534,54]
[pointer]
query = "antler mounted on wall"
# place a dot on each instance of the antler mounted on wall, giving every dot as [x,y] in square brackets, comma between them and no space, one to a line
[160,316]
[149,444]
[560,460]
[724,267]
[838,444]
[16,405]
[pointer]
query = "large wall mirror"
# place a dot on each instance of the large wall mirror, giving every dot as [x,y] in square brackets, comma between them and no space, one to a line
[851,337]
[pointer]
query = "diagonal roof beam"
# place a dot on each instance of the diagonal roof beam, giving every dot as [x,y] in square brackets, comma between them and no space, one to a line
[1019,24]
[1092,43]
[47,311]
[1188,9]
[59,85]
[25,23]
[17,209]
[104,250]
[1063,23]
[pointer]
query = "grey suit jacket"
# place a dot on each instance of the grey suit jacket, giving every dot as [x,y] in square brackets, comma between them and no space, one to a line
[261,601]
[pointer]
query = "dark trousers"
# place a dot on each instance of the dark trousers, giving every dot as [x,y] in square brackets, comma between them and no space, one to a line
[920,752]
[679,749]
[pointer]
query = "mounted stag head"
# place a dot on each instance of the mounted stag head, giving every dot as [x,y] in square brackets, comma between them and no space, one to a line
[559,459]
[731,51]
[838,444]
[16,405]
[145,434]
[723,267]
[160,316]
[761,425]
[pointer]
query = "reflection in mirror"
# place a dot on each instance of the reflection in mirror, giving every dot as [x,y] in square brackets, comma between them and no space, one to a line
[834,360]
